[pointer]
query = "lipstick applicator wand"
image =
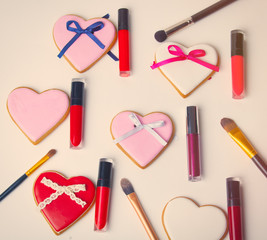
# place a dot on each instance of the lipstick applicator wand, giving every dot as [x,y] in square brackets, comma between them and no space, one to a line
[193,144]
[76,112]
[124,45]
[103,194]
[234,208]
[237,63]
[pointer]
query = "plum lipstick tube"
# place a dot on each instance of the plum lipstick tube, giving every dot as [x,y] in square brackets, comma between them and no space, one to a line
[103,194]
[237,62]
[124,42]
[76,112]
[193,144]
[234,208]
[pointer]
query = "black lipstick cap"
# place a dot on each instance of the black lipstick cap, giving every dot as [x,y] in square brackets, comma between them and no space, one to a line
[104,172]
[233,191]
[192,120]
[237,43]
[123,19]
[77,88]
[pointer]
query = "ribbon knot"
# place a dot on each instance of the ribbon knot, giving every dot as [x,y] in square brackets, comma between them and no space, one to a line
[139,126]
[68,190]
[181,56]
[89,31]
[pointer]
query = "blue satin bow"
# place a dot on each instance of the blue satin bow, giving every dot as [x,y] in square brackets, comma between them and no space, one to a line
[89,31]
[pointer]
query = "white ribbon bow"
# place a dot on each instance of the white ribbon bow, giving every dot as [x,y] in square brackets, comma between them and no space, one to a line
[139,126]
[69,190]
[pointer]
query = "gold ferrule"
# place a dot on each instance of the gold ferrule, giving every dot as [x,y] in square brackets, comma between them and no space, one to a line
[142,216]
[37,165]
[237,135]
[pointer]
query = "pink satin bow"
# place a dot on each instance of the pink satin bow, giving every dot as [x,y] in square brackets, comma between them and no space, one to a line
[181,56]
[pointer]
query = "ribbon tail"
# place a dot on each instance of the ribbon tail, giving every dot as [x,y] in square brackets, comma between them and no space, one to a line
[96,40]
[158,137]
[128,134]
[113,56]
[164,62]
[63,50]
[205,64]
[106,16]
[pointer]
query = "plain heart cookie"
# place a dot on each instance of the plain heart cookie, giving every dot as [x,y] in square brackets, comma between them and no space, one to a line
[84,42]
[142,138]
[183,218]
[186,68]
[37,114]
[63,201]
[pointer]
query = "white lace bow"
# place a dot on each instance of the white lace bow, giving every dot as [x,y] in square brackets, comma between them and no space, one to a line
[68,190]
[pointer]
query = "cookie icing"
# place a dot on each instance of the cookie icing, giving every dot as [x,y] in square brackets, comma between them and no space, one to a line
[84,52]
[186,75]
[37,114]
[63,211]
[183,218]
[142,147]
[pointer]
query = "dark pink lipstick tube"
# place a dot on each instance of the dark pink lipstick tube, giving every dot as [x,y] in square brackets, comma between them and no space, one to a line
[193,144]
[234,208]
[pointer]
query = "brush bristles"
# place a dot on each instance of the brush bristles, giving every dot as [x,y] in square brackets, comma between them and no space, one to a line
[228,124]
[160,36]
[51,153]
[126,186]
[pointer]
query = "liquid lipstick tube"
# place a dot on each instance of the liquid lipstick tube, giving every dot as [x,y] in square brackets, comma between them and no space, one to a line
[124,46]
[76,113]
[234,208]
[103,194]
[193,144]
[237,61]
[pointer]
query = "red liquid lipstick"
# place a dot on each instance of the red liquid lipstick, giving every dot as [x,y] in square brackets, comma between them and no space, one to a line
[76,112]
[193,147]
[123,39]
[103,194]
[234,209]
[237,61]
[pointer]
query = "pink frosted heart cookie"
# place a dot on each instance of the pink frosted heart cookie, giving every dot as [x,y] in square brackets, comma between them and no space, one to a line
[142,138]
[186,68]
[183,218]
[83,42]
[37,114]
[63,201]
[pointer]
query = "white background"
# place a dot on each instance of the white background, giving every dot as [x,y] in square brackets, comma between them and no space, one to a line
[29,58]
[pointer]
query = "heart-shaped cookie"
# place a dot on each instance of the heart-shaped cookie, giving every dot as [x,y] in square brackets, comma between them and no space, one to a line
[142,138]
[89,46]
[63,201]
[37,114]
[186,68]
[183,218]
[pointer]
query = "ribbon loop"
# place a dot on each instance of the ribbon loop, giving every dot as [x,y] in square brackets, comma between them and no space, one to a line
[181,56]
[139,126]
[89,31]
[68,190]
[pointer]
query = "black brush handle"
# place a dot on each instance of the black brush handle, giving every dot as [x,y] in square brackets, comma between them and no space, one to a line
[13,186]
[259,162]
[211,9]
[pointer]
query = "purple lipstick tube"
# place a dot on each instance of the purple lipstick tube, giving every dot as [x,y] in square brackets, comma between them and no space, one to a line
[193,144]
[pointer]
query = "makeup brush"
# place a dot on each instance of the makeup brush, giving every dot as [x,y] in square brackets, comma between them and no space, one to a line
[130,193]
[237,135]
[27,174]
[162,35]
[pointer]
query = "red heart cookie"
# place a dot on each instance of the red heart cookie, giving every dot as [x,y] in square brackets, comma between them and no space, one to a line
[63,201]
